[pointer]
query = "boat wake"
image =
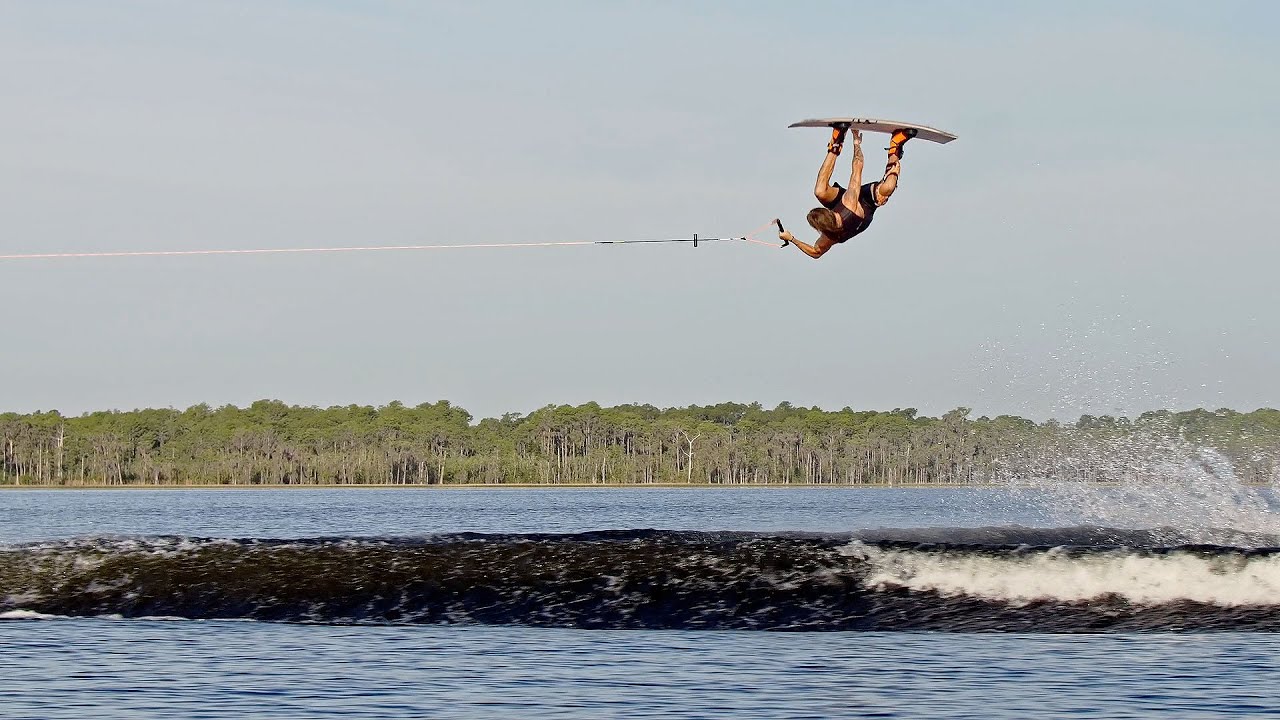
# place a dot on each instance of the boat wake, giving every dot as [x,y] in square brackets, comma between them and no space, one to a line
[1015,579]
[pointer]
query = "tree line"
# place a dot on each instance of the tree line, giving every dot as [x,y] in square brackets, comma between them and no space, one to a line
[270,442]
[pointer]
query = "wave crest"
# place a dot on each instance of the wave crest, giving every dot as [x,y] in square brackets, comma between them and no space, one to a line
[1009,579]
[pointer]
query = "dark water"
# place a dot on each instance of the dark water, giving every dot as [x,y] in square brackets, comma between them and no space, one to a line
[623,603]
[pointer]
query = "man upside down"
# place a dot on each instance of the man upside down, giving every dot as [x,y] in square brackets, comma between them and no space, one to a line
[845,214]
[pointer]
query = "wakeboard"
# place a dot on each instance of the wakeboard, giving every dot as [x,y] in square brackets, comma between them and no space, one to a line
[923,132]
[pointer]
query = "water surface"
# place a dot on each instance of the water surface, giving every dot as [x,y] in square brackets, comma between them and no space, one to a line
[947,547]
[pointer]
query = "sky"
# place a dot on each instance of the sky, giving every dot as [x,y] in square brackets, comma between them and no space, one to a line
[1100,239]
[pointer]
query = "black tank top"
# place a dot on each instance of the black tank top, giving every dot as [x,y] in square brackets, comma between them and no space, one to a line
[850,223]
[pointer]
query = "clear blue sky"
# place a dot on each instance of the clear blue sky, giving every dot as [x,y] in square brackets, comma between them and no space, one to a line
[1101,238]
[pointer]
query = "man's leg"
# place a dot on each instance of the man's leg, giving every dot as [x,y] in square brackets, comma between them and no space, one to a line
[823,189]
[892,168]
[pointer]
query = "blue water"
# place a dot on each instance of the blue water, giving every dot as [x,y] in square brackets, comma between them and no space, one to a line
[45,514]
[113,668]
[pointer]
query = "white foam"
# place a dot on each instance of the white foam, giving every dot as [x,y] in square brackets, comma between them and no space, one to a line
[1144,579]
[28,615]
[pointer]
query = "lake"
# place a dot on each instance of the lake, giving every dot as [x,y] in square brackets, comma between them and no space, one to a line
[595,602]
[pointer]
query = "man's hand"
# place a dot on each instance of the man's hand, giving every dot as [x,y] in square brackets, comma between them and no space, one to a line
[857,146]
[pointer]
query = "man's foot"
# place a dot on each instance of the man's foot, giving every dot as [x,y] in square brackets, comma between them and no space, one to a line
[900,138]
[837,139]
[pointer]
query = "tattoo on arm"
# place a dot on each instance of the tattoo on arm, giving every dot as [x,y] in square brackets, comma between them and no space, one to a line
[855,180]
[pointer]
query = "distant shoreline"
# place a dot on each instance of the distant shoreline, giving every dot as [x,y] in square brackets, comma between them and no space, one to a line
[439,444]
[476,486]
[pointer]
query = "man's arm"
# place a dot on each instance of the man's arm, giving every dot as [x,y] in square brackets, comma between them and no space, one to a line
[855,180]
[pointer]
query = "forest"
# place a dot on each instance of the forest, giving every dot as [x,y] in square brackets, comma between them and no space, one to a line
[273,443]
